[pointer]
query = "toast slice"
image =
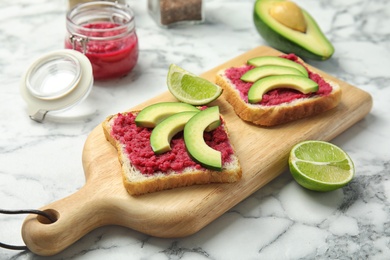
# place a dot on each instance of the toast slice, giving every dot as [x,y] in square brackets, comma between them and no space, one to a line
[271,113]
[145,172]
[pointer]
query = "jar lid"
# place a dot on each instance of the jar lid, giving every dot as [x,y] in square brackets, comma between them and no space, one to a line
[56,81]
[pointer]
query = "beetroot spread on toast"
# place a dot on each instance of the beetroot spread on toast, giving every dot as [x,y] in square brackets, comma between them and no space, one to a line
[137,145]
[276,96]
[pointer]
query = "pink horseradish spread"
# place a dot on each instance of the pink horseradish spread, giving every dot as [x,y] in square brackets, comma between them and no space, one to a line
[276,96]
[137,144]
[110,55]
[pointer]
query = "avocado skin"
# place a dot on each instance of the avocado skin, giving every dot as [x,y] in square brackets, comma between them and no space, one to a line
[281,42]
[268,70]
[151,115]
[300,83]
[197,148]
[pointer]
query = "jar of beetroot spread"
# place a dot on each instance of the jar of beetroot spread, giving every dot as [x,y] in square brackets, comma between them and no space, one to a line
[105,32]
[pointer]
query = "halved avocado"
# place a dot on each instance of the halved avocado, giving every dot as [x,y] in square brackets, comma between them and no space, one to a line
[262,86]
[195,143]
[275,60]
[151,115]
[271,24]
[268,70]
[162,134]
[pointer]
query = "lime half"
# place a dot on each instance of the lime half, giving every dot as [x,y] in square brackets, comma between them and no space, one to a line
[191,89]
[320,166]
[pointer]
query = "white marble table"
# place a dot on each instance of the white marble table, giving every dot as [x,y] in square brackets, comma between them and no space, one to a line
[41,163]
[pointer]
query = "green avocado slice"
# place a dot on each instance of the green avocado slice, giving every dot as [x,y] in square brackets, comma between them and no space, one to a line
[311,44]
[275,60]
[162,134]
[151,115]
[269,70]
[262,86]
[195,143]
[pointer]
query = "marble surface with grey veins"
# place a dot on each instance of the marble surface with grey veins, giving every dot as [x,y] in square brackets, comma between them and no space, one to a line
[41,163]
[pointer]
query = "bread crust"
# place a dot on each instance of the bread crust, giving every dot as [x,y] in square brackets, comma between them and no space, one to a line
[137,183]
[277,114]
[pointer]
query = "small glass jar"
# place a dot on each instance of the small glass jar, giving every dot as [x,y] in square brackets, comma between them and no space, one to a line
[72,3]
[105,32]
[168,13]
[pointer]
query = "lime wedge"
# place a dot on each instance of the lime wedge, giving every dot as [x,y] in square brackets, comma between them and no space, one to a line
[191,89]
[320,166]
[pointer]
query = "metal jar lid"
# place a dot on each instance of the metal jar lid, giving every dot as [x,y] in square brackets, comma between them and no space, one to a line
[56,81]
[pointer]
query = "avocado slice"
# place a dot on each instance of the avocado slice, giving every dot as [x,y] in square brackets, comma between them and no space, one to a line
[162,134]
[268,70]
[271,25]
[151,115]
[195,143]
[275,60]
[262,86]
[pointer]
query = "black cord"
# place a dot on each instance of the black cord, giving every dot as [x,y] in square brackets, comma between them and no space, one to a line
[25,211]
[6,246]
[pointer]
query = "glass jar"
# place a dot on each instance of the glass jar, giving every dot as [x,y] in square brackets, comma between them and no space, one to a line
[72,3]
[105,32]
[174,12]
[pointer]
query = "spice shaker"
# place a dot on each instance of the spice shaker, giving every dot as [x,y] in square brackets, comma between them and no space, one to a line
[105,32]
[174,12]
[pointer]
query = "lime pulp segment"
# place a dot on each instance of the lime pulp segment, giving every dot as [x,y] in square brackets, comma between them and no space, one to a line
[194,87]
[318,151]
[331,172]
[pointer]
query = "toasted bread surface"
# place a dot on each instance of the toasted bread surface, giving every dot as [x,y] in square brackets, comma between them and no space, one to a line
[137,183]
[271,115]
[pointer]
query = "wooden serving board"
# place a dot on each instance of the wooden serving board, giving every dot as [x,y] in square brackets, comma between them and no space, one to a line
[263,153]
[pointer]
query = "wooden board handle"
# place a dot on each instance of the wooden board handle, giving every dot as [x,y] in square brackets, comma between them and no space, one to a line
[77,210]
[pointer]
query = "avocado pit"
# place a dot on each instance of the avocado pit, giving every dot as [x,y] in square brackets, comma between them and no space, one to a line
[289,14]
